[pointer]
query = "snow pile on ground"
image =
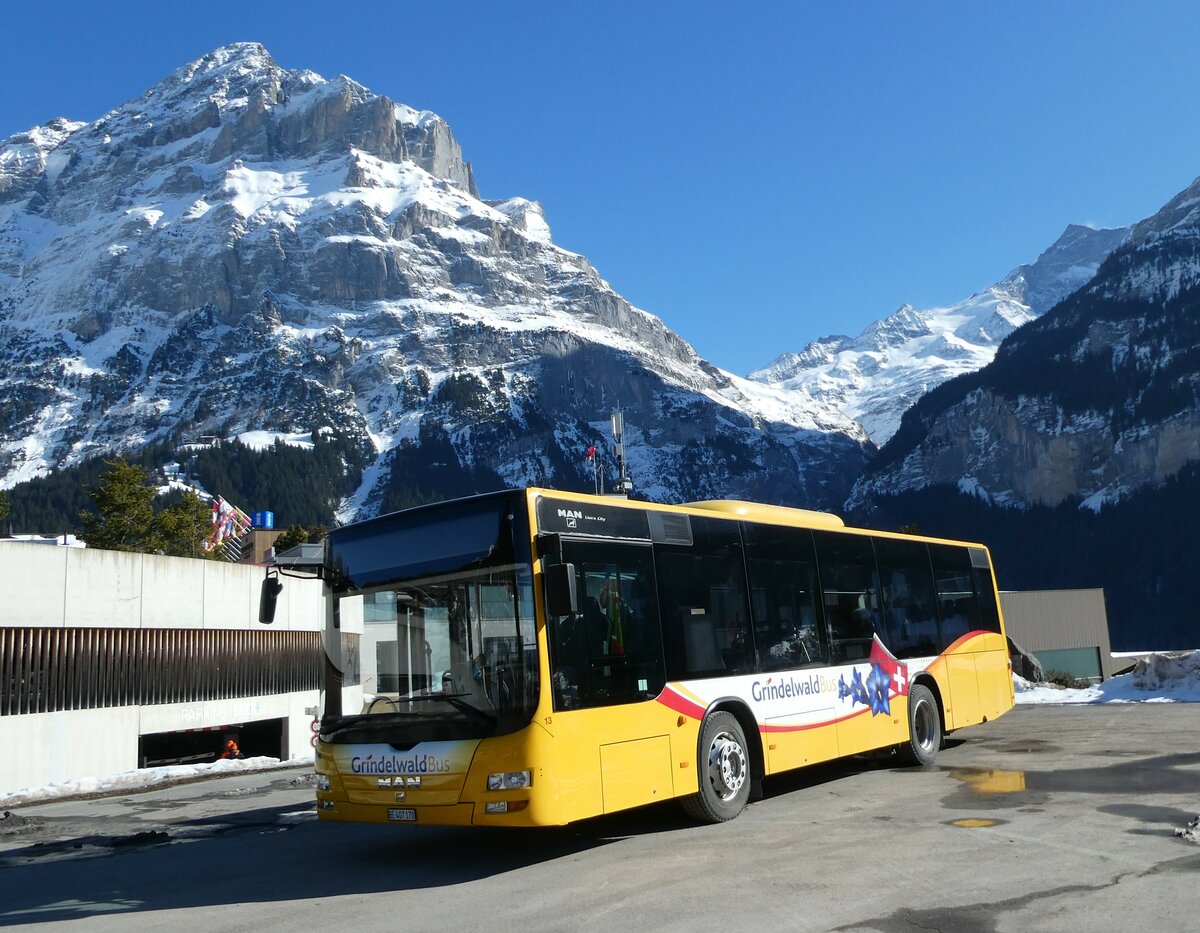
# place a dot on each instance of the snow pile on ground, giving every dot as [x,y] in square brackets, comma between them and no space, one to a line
[146,778]
[1158,678]
[1161,671]
[1192,833]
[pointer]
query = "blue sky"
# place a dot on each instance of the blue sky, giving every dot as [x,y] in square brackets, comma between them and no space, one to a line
[758,175]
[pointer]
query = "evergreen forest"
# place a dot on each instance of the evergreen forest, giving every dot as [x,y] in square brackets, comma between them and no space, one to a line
[301,486]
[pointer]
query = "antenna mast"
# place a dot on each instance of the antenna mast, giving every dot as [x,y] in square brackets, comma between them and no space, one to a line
[623,485]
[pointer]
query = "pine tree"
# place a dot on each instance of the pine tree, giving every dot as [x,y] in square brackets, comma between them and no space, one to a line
[300,534]
[293,535]
[185,525]
[124,519]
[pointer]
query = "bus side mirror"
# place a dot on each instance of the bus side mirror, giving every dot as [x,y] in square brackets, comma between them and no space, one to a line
[272,586]
[561,596]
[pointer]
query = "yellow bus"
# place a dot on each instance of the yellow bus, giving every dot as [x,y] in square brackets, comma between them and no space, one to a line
[534,657]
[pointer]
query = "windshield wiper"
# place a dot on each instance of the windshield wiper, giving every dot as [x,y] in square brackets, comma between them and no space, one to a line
[394,710]
[342,722]
[454,699]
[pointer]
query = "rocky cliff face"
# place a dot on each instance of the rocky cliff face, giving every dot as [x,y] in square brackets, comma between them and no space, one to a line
[245,247]
[876,376]
[1097,398]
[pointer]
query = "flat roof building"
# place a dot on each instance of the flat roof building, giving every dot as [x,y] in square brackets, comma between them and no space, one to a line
[1066,630]
[112,661]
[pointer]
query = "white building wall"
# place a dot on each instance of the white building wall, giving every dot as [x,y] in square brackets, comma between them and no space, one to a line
[103,589]
[50,748]
[33,581]
[172,596]
[56,587]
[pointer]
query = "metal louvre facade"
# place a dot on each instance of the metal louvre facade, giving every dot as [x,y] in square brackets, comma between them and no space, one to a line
[44,670]
[103,651]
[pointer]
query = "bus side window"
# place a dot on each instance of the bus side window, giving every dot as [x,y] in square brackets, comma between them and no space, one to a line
[702,588]
[906,584]
[782,566]
[958,608]
[850,593]
[610,651]
[985,590]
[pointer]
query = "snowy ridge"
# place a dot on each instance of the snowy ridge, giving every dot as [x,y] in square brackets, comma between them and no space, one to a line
[875,377]
[1094,400]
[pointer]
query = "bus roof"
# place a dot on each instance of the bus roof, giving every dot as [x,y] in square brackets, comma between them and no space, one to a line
[746,511]
[730,508]
[757,512]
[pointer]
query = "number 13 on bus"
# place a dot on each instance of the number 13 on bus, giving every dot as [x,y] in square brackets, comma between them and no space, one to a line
[534,657]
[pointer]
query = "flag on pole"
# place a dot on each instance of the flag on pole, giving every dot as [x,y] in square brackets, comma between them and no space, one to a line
[228,523]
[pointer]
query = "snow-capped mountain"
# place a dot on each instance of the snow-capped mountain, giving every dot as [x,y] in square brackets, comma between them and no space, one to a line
[1097,399]
[245,247]
[876,376]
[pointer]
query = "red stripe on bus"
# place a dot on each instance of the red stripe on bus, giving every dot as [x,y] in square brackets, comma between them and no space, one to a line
[681,704]
[962,639]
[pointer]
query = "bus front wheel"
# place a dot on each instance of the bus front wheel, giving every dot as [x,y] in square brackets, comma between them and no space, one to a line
[924,726]
[723,770]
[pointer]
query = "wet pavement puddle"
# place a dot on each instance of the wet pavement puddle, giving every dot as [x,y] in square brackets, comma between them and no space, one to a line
[990,780]
[1012,788]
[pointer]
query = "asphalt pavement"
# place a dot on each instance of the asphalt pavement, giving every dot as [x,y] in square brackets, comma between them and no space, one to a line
[1050,818]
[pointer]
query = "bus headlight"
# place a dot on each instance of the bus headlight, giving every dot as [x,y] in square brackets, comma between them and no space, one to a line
[509,780]
[323,782]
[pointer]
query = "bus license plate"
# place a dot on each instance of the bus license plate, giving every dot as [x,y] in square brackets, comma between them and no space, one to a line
[403,814]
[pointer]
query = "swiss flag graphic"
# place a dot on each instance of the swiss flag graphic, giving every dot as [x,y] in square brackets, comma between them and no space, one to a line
[894,668]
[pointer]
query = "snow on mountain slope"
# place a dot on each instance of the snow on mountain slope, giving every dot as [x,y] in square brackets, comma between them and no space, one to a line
[246,248]
[878,375]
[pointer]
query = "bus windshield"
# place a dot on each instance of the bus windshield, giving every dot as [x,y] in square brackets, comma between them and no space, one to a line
[451,652]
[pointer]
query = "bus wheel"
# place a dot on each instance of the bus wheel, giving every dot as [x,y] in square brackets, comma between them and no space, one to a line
[724,771]
[924,726]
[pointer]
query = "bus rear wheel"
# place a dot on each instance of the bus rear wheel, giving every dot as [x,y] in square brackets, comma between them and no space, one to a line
[724,771]
[924,727]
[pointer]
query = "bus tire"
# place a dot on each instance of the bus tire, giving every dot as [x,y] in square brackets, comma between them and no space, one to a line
[924,726]
[723,771]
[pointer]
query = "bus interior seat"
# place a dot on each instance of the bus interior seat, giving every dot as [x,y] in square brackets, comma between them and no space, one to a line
[700,643]
[595,624]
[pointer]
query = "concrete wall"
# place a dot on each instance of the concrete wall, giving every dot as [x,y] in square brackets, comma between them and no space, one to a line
[55,587]
[1041,620]
[46,586]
